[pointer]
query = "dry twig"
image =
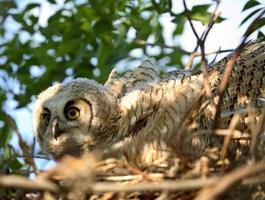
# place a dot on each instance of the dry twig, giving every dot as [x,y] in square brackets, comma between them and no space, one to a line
[211,192]
[15,181]
[22,144]
[258,131]
[176,185]
[229,135]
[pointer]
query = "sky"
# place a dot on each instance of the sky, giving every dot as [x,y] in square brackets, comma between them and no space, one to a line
[226,35]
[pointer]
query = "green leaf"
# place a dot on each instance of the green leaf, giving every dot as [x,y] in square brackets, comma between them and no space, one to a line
[103,54]
[180,22]
[179,29]
[261,35]
[250,4]
[220,19]
[6,154]
[257,25]
[200,13]
[249,16]
[52,1]
[68,46]
[5,135]
[200,8]
[202,17]
[15,165]
[31,6]
[18,17]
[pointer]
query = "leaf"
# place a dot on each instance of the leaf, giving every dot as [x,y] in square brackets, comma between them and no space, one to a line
[31,6]
[200,13]
[179,29]
[68,46]
[249,16]
[6,153]
[18,17]
[220,19]
[200,8]
[202,17]
[103,54]
[261,35]
[5,135]
[250,4]
[253,27]
[15,165]
[52,1]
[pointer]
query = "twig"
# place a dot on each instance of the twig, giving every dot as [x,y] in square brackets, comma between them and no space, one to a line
[15,181]
[210,24]
[201,43]
[194,53]
[201,40]
[191,24]
[143,42]
[229,136]
[24,147]
[211,192]
[182,185]
[258,131]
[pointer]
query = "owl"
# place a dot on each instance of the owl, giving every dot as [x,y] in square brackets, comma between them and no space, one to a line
[130,117]
[137,116]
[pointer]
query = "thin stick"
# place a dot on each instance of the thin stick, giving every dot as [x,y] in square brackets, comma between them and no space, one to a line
[24,147]
[201,40]
[182,185]
[225,183]
[229,136]
[258,131]
[15,181]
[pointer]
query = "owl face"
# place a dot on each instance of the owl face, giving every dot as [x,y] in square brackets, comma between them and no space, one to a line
[73,118]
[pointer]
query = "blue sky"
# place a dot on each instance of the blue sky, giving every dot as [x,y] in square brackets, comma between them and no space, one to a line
[226,35]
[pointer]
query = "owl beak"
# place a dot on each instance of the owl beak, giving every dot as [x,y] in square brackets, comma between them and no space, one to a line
[57,128]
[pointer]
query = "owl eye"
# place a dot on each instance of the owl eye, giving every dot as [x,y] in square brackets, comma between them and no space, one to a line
[46,117]
[72,113]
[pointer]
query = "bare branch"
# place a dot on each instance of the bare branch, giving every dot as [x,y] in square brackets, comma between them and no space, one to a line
[24,147]
[257,132]
[223,184]
[176,185]
[15,181]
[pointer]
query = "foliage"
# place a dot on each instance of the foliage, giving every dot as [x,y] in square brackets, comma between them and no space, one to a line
[80,39]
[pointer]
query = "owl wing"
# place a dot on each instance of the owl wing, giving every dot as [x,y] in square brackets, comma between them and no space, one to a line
[146,73]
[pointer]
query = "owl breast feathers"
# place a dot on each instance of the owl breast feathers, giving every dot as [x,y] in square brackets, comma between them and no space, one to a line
[133,117]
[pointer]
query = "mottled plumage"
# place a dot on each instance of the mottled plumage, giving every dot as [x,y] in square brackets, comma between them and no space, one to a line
[135,116]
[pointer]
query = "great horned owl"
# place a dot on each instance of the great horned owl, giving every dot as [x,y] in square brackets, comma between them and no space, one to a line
[125,118]
[134,117]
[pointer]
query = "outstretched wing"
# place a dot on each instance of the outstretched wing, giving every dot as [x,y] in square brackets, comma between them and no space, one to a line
[146,73]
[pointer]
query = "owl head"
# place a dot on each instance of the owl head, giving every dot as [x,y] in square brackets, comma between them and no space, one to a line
[74,118]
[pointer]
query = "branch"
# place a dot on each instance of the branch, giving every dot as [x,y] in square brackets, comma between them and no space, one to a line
[230,179]
[24,147]
[144,43]
[201,40]
[257,132]
[15,181]
[190,22]
[176,185]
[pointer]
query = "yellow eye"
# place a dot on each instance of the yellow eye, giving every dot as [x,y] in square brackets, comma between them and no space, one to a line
[46,117]
[72,113]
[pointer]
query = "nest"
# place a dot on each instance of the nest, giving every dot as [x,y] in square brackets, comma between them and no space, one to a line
[237,176]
